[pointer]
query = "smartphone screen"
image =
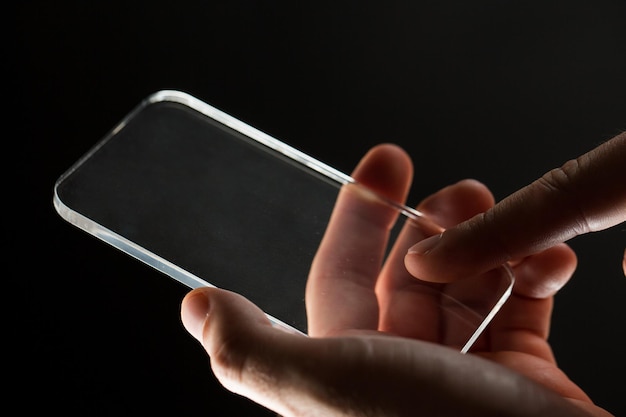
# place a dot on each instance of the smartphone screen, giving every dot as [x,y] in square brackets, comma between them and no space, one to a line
[207,200]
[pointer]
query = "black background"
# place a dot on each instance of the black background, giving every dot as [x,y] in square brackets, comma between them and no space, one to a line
[493,90]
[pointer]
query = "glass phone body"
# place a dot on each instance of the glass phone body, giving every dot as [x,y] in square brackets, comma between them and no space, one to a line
[211,201]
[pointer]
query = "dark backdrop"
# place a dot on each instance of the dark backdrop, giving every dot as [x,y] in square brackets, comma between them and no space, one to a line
[498,91]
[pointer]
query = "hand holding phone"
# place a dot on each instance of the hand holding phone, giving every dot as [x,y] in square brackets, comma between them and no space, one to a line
[188,189]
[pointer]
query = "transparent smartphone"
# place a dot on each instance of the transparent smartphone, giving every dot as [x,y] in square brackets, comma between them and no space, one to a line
[211,201]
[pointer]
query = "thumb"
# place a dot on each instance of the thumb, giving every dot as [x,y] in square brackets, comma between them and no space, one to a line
[247,353]
[584,195]
[358,374]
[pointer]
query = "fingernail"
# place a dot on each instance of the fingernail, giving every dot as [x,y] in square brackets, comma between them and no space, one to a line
[423,247]
[194,312]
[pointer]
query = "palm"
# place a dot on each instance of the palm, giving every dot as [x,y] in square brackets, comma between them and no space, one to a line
[350,289]
[377,332]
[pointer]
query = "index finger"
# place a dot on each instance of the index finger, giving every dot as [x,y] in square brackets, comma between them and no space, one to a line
[340,289]
[584,195]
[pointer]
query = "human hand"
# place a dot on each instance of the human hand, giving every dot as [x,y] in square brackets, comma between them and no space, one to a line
[366,354]
[584,195]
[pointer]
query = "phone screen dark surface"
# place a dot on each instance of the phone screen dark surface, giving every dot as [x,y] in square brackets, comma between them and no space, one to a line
[210,200]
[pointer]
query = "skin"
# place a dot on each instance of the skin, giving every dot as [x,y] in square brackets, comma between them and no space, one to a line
[585,195]
[367,354]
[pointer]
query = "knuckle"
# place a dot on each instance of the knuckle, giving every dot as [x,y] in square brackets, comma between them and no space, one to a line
[240,365]
[563,182]
[228,361]
[561,179]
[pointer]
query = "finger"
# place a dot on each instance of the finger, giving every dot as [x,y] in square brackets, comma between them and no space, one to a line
[457,202]
[523,323]
[295,375]
[243,347]
[542,275]
[584,195]
[340,289]
[409,307]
